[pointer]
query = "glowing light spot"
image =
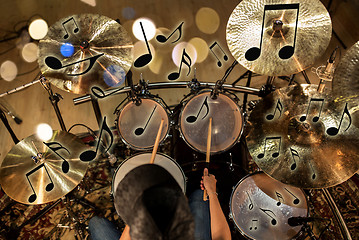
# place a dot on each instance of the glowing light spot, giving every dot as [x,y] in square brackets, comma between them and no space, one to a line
[29,52]
[67,49]
[92,3]
[44,131]
[201,48]
[148,27]
[114,76]
[38,29]
[128,13]
[207,20]
[178,51]
[8,70]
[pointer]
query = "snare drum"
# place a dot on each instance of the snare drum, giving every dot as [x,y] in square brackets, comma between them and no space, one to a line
[261,206]
[138,125]
[144,158]
[227,122]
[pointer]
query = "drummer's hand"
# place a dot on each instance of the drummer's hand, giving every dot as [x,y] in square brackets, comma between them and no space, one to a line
[208,182]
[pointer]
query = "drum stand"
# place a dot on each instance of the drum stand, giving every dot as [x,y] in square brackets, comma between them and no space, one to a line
[8,127]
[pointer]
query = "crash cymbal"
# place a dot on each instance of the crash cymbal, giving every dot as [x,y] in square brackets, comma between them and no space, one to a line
[275,39]
[34,172]
[84,50]
[345,82]
[303,138]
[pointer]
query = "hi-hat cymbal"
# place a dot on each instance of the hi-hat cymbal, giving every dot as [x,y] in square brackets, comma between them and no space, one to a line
[84,50]
[303,138]
[275,38]
[34,172]
[345,82]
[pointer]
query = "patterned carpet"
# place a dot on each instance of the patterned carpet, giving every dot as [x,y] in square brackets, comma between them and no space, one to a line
[68,218]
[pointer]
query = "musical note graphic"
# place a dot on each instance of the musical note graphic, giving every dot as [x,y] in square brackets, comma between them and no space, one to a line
[140,130]
[163,39]
[254,224]
[278,107]
[192,119]
[250,206]
[48,187]
[286,51]
[274,221]
[76,29]
[296,200]
[315,118]
[65,164]
[332,131]
[280,198]
[275,154]
[144,59]
[175,75]
[54,63]
[89,154]
[225,57]
[311,167]
[294,155]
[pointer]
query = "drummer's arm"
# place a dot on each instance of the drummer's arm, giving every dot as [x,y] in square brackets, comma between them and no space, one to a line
[126,234]
[219,226]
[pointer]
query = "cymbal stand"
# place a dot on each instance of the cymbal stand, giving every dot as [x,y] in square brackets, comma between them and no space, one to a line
[306,77]
[8,127]
[245,96]
[307,229]
[54,99]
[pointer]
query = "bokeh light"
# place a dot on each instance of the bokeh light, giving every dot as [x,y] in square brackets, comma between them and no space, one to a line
[128,13]
[207,20]
[29,52]
[148,27]
[67,49]
[114,76]
[201,48]
[8,70]
[178,52]
[44,131]
[38,29]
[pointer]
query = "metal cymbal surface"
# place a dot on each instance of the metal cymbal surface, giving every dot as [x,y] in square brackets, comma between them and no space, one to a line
[276,39]
[34,172]
[85,50]
[304,138]
[345,82]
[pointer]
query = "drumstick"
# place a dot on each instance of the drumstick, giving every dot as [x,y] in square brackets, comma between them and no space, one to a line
[208,152]
[154,151]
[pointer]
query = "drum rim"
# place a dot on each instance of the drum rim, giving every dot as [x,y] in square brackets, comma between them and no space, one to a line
[234,189]
[126,142]
[190,145]
[142,153]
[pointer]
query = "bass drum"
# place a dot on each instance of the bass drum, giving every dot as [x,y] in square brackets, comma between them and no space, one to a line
[138,125]
[227,122]
[144,158]
[261,206]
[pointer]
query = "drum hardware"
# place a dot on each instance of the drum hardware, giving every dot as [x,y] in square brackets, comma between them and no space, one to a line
[194,84]
[8,109]
[327,74]
[165,85]
[218,86]
[231,168]
[8,127]
[54,99]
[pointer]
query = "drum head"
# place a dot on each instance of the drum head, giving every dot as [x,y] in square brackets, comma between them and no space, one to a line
[138,125]
[144,158]
[227,122]
[261,206]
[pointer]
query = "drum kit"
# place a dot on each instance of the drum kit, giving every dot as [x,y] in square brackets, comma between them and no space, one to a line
[300,136]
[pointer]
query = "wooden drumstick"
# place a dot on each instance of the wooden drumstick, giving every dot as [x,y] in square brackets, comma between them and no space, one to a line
[154,151]
[208,153]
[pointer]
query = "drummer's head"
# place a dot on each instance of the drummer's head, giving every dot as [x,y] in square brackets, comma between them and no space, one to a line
[152,203]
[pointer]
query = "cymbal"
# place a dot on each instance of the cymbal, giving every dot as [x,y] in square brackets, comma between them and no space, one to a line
[303,138]
[276,39]
[84,50]
[345,83]
[34,172]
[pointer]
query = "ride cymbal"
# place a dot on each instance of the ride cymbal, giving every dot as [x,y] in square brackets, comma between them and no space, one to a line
[303,138]
[345,82]
[84,50]
[275,38]
[35,172]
